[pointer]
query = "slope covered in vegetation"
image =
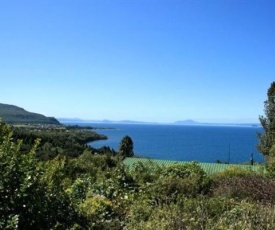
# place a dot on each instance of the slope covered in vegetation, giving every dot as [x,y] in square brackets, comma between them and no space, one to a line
[11,114]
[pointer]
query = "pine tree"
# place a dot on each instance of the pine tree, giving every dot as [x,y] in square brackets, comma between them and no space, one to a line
[126,147]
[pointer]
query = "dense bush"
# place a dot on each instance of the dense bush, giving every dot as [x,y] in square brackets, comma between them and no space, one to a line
[145,173]
[188,180]
[252,188]
[233,172]
[242,184]
[29,199]
[204,214]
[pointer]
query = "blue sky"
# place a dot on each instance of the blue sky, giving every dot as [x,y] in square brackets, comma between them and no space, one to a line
[145,60]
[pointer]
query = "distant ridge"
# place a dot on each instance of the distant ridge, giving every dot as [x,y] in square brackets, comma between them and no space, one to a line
[12,114]
[77,120]
[187,122]
[192,122]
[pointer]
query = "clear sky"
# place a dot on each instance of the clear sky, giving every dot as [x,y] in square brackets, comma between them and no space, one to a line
[145,60]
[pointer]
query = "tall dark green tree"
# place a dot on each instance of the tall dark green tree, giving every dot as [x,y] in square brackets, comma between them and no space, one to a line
[126,147]
[266,143]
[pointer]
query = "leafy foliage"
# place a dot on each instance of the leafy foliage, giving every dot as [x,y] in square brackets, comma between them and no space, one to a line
[188,180]
[29,197]
[19,182]
[267,138]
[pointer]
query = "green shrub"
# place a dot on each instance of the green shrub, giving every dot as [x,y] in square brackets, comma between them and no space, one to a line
[145,172]
[98,212]
[205,214]
[186,213]
[251,188]
[270,166]
[232,172]
[187,180]
[32,194]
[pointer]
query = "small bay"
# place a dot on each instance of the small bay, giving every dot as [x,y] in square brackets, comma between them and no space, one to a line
[187,143]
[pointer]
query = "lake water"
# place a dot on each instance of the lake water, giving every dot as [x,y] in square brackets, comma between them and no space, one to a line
[187,143]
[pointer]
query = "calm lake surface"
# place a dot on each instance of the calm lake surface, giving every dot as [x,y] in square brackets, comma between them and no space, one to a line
[187,143]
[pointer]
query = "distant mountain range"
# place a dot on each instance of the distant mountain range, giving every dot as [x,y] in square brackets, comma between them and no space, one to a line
[183,122]
[192,122]
[12,114]
[187,122]
[77,120]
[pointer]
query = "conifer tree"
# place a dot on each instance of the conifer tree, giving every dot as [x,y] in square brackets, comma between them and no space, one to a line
[126,147]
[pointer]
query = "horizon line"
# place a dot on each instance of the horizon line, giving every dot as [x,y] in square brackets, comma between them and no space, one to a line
[179,122]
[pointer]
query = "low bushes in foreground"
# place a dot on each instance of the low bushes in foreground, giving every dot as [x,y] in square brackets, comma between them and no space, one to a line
[204,214]
[99,192]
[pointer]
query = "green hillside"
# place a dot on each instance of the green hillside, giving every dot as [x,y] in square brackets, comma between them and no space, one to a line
[15,115]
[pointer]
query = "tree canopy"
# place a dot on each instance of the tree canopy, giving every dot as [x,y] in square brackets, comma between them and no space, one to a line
[267,138]
[126,147]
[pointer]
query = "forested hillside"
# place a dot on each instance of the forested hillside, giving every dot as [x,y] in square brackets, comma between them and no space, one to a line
[11,114]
